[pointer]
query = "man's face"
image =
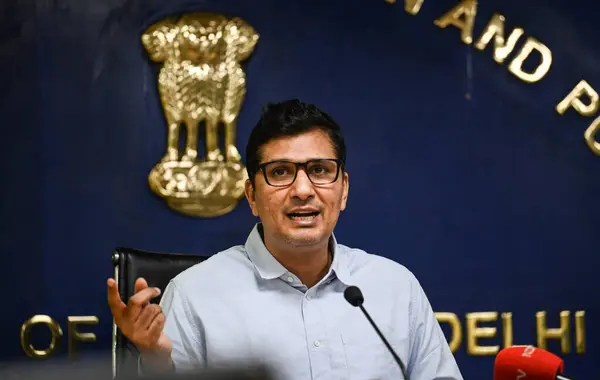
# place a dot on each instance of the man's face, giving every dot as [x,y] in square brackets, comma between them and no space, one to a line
[300,214]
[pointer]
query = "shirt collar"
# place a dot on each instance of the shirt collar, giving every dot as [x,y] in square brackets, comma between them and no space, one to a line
[339,266]
[269,268]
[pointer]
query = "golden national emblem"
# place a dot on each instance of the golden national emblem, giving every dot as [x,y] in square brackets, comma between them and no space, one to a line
[201,83]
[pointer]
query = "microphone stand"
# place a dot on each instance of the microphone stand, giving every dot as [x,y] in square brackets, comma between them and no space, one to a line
[387,344]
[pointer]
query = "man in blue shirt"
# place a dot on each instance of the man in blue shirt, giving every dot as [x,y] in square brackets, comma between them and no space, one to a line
[278,299]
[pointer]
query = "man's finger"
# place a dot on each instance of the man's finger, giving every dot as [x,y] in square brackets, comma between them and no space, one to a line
[115,303]
[139,300]
[140,284]
[147,316]
[156,327]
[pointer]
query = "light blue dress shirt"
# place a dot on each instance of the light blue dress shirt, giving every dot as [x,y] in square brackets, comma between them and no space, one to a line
[242,305]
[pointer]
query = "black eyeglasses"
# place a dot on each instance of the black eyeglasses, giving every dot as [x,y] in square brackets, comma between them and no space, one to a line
[320,171]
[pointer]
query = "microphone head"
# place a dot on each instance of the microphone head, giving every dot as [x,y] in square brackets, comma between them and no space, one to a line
[527,362]
[354,296]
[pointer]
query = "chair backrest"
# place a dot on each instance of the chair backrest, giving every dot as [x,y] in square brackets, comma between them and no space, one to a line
[158,269]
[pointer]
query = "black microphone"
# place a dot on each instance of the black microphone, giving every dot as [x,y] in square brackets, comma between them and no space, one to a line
[354,296]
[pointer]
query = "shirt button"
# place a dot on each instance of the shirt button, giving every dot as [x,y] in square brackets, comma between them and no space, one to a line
[317,343]
[290,279]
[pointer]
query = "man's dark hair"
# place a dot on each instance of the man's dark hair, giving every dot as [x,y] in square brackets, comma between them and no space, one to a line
[291,118]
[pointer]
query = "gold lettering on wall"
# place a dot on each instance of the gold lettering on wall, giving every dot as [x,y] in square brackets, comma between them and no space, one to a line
[495,30]
[26,336]
[455,326]
[516,66]
[580,332]
[573,99]
[410,6]
[590,136]
[562,333]
[474,332]
[413,6]
[75,335]
[507,330]
[463,17]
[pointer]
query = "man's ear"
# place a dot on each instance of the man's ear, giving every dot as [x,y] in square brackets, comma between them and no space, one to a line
[345,189]
[250,196]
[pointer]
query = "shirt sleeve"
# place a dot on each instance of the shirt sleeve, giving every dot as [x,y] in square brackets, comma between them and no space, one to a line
[184,329]
[430,355]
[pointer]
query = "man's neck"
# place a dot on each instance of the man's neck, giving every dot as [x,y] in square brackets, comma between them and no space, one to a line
[309,264]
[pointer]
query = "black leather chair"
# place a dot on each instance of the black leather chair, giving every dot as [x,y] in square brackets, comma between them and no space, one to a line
[158,269]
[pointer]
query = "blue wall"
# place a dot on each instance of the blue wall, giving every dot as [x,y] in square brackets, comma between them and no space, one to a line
[459,170]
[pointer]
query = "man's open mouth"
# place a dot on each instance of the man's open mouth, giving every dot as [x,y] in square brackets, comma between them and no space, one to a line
[303,215]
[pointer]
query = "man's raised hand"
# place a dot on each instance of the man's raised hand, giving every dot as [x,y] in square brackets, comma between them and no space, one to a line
[141,322]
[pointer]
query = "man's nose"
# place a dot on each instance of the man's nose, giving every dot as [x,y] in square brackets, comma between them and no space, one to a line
[302,186]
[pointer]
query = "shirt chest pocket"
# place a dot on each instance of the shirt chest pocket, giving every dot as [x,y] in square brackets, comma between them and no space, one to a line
[366,356]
